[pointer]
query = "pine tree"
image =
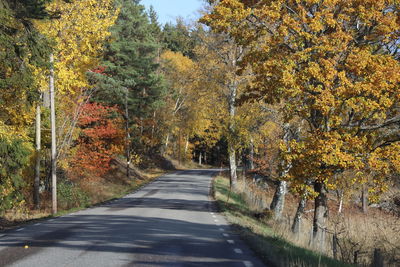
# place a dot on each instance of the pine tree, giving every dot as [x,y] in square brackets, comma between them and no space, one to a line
[131,80]
[22,47]
[178,38]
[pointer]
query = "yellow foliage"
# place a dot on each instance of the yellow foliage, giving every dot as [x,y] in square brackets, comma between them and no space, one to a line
[79,35]
[332,64]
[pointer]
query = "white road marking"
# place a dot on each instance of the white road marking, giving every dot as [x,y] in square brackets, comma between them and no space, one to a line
[36,224]
[216,220]
[2,235]
[231,241]
[248,264]
[238,251]
[226,235]
[221,229]
[20,229]
[52,220]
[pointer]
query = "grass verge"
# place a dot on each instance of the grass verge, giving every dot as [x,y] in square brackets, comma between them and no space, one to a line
[272,249]
[102,192]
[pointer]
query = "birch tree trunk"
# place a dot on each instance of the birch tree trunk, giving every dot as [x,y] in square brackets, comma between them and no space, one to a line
[299,214]
[278,201]
[232,168]
[340,196]
[36,184]
[53,140]
[186,145]
[166,144]
[231,127]
[251,159]
[320,215]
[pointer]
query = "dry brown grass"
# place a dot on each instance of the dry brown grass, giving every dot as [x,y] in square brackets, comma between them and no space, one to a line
[114,184]
[264,240]
[358,234]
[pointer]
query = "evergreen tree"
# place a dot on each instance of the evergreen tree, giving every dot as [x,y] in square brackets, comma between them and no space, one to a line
[22,47]
[155,27]
[131,80]
[178,38]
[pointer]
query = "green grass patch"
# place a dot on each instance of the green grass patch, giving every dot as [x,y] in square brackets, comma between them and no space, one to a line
[272,249]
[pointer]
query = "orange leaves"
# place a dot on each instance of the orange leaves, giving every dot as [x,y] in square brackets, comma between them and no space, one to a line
[101,138]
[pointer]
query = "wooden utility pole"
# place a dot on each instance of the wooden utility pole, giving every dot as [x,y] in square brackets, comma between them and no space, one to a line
[128,136]
[53,140]
[179,148]
[36,196]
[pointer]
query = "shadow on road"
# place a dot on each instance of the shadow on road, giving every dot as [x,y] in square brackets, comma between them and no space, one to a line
[126,228]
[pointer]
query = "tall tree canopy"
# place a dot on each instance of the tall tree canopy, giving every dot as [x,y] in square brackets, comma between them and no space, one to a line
[335,65]
[21,48]
[131,69]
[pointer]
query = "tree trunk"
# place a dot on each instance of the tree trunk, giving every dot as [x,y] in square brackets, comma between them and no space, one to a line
[278,201]
[166,143]
[200,158]
[186,146]
[364,199]
[299,214]
[320,215]
[36,184]
[251,156]
[231,148]
[53,140]
[232,168]
[205,157]
[340,196]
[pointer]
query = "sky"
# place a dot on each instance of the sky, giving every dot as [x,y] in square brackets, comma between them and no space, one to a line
[169,10]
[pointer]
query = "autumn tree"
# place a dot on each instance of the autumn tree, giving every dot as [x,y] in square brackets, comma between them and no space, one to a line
[193,109]
[219,55]
[101,138]
[334,63]
[78,33]
[78,30]
[180,74]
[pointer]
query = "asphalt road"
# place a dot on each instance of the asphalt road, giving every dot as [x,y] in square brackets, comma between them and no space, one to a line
[170,222]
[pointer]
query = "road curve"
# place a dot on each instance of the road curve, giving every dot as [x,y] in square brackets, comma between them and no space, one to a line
[170,222]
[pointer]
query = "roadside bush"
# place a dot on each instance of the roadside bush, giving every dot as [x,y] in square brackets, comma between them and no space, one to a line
[71,196]
[14,156]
